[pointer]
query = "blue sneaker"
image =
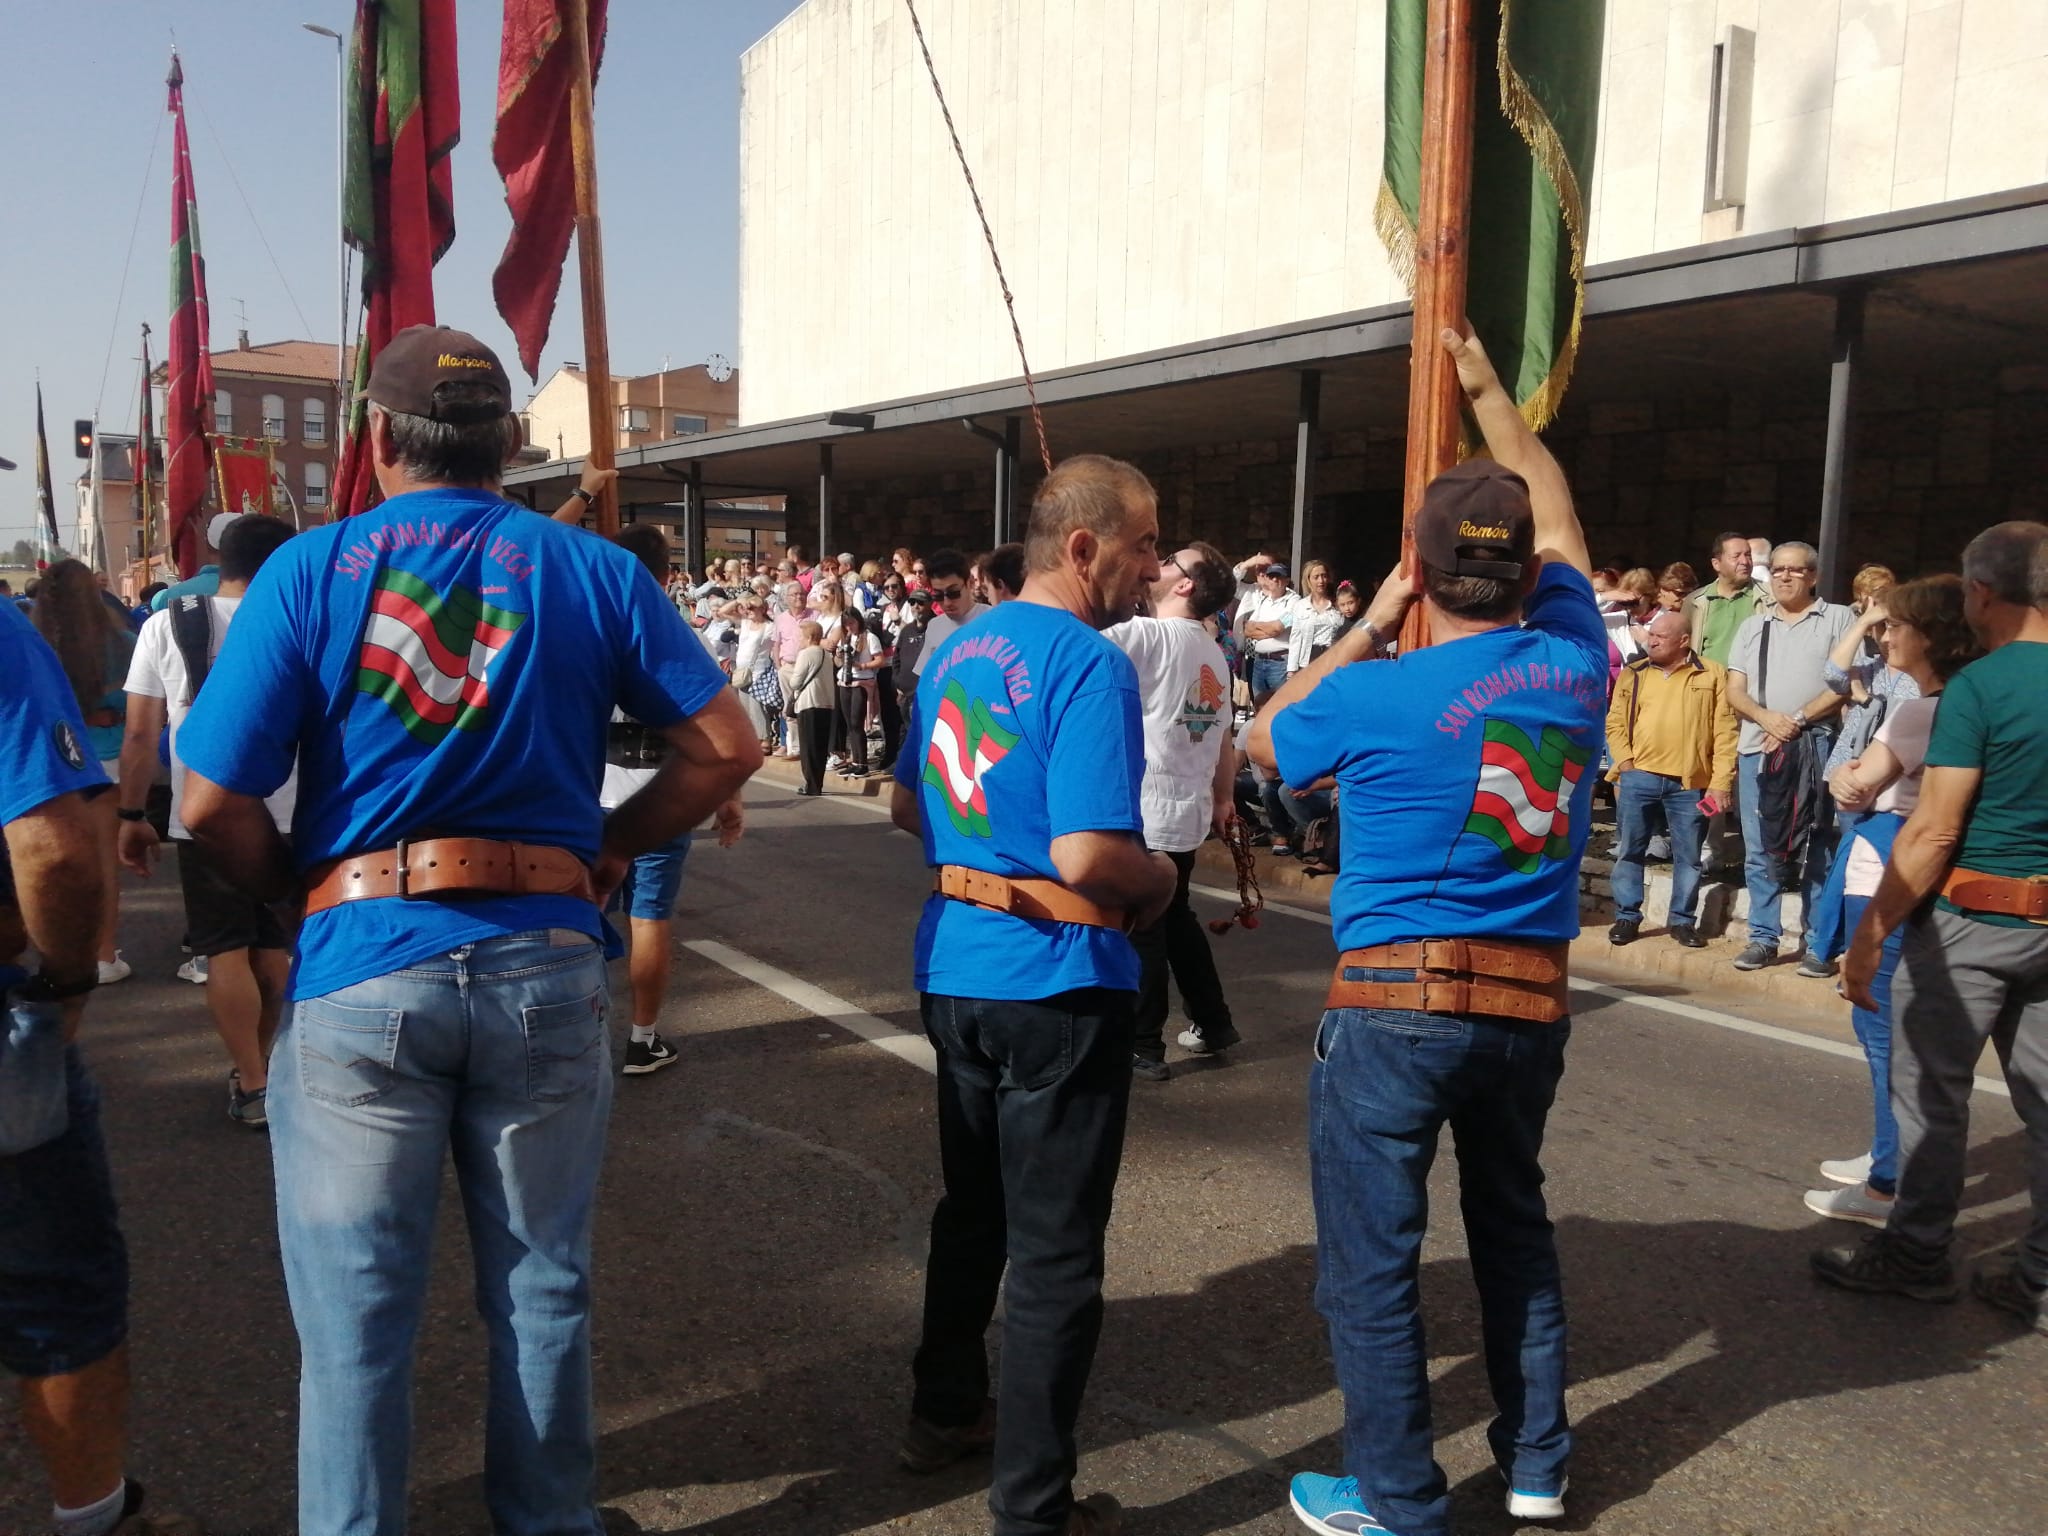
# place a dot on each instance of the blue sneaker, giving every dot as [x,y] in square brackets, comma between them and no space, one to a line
[1330,1505]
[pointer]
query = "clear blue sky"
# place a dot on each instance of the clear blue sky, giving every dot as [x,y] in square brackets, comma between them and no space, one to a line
[81,95]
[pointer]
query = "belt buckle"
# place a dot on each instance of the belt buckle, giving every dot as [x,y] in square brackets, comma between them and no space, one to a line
[403,854]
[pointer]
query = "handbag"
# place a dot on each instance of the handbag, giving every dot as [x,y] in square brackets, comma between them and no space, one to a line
[34,1107]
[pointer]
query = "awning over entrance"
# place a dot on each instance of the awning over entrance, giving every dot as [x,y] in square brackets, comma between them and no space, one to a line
[1963,283]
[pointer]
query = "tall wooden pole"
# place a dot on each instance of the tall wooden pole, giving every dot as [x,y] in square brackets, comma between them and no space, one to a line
[1443,225]
[597,357]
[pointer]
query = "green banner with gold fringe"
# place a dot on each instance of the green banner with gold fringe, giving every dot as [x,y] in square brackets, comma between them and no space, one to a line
[1537,81]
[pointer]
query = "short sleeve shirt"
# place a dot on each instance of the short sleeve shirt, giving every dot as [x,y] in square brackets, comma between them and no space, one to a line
[1796,669]
[1991,719]
[1465,775]
[1025,728]
[1184,691]
[445,664]
[43,750]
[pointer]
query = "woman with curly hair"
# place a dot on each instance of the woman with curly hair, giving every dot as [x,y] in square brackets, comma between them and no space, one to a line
[1924,636]
[94,642]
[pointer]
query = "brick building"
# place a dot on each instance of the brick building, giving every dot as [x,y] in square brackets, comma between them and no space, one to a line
[286,393]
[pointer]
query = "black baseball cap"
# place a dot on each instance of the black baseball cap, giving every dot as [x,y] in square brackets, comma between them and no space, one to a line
[1477,503]
[441,374]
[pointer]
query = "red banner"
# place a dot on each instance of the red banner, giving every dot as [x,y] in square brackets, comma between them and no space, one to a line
[244,467]
[188,366]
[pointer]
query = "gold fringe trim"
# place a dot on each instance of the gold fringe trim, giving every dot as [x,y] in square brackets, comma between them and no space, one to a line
[1521,108]
[1397,234]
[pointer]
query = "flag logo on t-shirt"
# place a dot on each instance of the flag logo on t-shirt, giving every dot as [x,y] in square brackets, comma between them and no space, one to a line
[429,657]
[1204,701]
[966,744]
[1524,799]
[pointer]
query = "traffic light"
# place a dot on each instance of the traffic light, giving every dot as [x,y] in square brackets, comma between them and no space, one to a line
[81,438]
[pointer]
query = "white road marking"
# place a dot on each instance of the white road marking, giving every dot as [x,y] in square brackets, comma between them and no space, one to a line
[1689,1011]
[914,1049]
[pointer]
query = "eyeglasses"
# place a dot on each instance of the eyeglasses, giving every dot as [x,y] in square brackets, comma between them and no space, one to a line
[949,594]
[1791,570]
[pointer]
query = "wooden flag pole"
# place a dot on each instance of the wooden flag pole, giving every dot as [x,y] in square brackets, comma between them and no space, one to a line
[1443,226]
[597,358]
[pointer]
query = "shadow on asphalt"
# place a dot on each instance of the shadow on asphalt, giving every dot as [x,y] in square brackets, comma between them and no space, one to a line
[1731,1308]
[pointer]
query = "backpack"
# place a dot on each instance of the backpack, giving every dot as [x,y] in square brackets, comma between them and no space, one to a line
[192,633]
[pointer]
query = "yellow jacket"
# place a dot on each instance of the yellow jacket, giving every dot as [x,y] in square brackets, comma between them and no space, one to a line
[1680,725]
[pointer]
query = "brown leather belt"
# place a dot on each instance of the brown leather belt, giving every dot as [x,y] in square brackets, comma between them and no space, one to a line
[1046,900]
[2006,895]
[1489,976]
[449,866]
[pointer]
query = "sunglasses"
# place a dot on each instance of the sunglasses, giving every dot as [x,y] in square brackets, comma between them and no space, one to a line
[949,594]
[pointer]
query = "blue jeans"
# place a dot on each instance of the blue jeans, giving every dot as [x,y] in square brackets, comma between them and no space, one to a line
[497,1052]
[1640,800]
[1032,1099]
[1764,874]
[1268,673]
[1874,1034]
[1384,1084]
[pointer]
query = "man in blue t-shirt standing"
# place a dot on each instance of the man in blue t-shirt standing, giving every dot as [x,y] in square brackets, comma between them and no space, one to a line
[1021,771]
[63,1264]
[1465,772]
[443,669]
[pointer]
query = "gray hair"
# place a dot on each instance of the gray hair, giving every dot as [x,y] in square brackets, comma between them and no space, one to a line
[1812,554]
[2011,561]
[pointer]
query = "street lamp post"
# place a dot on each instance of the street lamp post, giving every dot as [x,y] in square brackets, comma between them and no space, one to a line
[336,426]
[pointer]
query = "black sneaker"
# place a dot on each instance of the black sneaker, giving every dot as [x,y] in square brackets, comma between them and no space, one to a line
[1148,1069]
[1627,931]
[651,1057]
[2010,1291]
[1685,937]
[1756,956]
[1881,1265]
[928,1447]
[1813,968]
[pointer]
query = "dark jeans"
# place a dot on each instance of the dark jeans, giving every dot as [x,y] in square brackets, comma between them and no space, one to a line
[1032,1097]
[1287,815]
[892,714]
[853,724]
[1177,943]
[1383,1086]
[813,737]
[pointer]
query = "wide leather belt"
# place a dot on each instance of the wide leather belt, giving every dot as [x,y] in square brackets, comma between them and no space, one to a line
[2006,895]
[449,866]
[1498,977]
[1046,900]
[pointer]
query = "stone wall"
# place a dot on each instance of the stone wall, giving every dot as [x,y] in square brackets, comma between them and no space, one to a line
[1937,459]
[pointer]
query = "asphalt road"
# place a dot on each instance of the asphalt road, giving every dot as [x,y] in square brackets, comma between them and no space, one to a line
[760,1244]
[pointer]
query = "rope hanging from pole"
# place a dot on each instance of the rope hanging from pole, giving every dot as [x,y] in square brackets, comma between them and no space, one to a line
[1009,301]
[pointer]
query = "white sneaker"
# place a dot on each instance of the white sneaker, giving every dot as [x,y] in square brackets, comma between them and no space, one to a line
[1857,1204]
[193,970]
[115,970]
[1537,1506]
[1847,1170]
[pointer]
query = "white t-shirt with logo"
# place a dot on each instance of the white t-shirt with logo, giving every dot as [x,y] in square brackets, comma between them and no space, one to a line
[157,670]
[1184,694]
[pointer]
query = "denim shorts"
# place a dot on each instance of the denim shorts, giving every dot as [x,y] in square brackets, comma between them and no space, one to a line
[649,890]
[63,1265]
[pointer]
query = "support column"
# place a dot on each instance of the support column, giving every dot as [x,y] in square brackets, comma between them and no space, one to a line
[824,501]
[1307,419]
[1839,462]
[693,521]
[1013,438]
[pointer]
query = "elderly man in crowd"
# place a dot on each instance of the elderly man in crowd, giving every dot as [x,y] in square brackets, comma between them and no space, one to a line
[1777,684]
[1671,733]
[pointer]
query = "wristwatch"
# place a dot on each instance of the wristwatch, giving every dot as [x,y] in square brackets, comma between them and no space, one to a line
[1799,718]
[589,497]
[127,815]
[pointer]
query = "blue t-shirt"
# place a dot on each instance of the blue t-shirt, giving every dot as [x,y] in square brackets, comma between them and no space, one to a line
[445,664]
[1025,728]
[1465,775]
[43,749]
[206,583]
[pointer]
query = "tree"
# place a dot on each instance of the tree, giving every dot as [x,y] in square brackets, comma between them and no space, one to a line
[24,553]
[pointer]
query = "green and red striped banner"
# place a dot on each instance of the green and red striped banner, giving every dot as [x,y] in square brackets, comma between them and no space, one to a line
[188,364]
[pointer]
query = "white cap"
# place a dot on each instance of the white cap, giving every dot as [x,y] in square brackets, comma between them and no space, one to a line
[219,526]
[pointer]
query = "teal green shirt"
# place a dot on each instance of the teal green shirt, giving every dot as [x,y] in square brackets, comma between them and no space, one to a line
[1991,719]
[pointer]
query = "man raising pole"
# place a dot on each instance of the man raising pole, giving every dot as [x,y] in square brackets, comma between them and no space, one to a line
[1464,784]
